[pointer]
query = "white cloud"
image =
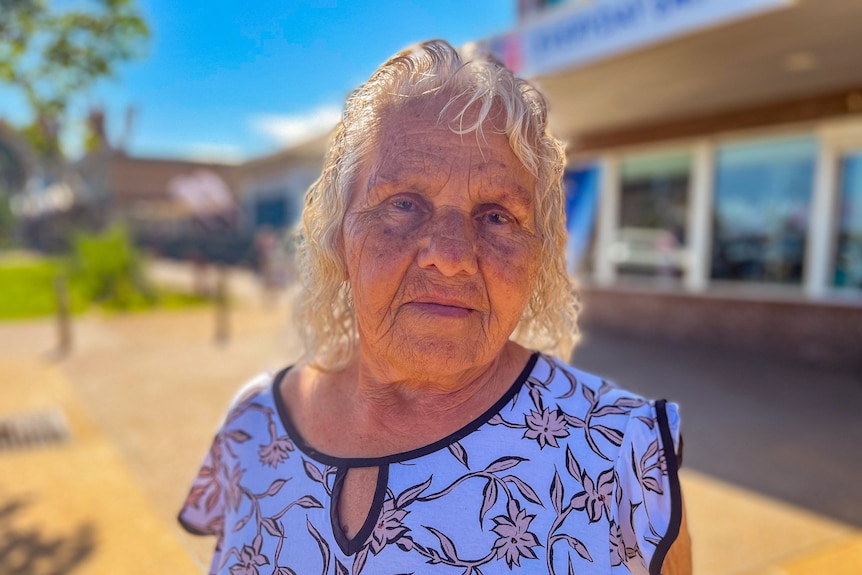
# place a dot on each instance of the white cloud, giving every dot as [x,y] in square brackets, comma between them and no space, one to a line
[294,129]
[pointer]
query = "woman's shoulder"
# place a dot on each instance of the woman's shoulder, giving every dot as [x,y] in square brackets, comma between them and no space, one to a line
[609,452]
[564,381]
[247,447]
[256,389]
[608,415]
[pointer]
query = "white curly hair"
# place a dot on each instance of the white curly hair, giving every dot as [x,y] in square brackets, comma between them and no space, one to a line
[473,82]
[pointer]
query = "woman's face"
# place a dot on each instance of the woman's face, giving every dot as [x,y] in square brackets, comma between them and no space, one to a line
[441,245]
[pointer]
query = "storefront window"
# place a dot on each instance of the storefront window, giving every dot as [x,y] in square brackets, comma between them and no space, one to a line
[848,254]
[582,198]
[653,200]
[762,204]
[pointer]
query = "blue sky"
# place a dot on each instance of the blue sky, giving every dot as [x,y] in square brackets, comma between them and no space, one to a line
[238,79]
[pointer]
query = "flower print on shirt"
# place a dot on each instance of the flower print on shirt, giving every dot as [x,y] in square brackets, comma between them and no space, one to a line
[596,496]
[250,559]
[233,489]
[546,427]
[389,526]
[516,540]
[276,451]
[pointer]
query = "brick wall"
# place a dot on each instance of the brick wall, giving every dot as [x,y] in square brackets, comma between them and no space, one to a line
[827,334]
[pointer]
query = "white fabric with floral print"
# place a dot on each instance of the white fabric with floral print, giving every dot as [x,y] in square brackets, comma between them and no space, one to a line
[566,474]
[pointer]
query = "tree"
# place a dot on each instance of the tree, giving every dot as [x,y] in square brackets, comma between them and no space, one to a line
[51,55]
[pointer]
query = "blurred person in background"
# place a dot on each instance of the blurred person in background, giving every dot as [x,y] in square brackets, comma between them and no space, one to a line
[430,429]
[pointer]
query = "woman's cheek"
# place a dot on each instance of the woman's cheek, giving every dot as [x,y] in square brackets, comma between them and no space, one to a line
[380,234]
[392,243]
[512,265]
[517,247]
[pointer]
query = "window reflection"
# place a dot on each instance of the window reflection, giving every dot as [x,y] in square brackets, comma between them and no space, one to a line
[581,185]
[762,204]
[848,256]
[653,200]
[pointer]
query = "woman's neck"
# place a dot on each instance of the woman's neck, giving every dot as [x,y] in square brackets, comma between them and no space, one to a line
[357,413]
[387,402]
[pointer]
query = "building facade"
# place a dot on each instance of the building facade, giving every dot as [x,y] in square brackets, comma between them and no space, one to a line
[272,188]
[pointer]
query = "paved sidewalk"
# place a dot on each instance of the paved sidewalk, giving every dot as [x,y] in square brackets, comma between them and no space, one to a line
[74,507]
[737,531]
[143,394]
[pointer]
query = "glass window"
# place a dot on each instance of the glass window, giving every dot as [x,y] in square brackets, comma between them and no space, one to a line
[653,213]
[848,253]
[582,198]
[762,203]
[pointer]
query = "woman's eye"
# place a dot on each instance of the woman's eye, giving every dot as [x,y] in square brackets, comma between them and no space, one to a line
[404,205]
[498,218]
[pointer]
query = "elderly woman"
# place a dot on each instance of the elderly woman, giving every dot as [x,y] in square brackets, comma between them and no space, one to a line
[423,433]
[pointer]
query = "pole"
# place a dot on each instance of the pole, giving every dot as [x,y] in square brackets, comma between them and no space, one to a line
[222,317]
[64,322]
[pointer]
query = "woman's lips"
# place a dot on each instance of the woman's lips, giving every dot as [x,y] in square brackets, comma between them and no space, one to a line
[441,309]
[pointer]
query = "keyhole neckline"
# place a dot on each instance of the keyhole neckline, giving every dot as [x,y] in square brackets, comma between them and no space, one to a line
[347,545]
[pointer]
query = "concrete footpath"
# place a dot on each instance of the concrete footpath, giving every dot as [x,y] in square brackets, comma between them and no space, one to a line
[141,394]
[74,506]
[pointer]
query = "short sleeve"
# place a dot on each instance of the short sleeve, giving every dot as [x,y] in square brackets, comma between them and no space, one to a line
[648,498]
[216,484]
[203,510]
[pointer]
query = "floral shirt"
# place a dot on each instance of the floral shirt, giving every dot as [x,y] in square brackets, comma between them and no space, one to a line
[565,474]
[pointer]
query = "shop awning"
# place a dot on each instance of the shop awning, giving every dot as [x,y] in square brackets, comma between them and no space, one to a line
[784,51]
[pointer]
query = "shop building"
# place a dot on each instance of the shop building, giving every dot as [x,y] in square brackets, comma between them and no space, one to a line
[272,187]
[715,177]
[173,208]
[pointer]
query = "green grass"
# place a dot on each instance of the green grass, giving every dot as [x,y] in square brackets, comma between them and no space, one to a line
[177,300]
[27,291]
[164,299]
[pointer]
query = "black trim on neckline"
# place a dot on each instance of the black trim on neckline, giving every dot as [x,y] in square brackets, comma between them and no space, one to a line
[193,529]
[675,521]
[351,546]
[327,459]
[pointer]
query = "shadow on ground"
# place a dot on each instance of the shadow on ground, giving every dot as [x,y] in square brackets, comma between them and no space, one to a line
[29,551]
[790,431]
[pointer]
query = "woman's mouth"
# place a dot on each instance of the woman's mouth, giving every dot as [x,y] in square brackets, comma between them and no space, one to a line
[441,309]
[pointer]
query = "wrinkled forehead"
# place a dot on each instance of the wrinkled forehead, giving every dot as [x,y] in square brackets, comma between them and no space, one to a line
[433,129]
[452,110]
[435,120]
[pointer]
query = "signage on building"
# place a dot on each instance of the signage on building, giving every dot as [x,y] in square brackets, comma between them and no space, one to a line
[586,32]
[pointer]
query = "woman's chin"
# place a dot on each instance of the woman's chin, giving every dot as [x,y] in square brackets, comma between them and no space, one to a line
[439,355]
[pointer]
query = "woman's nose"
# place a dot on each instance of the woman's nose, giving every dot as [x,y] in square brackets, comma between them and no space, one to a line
[450,244]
